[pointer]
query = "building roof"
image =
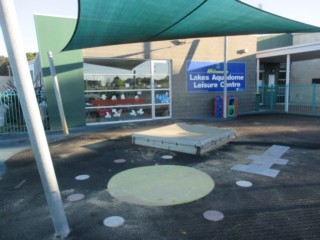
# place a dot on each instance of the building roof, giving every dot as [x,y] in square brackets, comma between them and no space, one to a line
[297,53]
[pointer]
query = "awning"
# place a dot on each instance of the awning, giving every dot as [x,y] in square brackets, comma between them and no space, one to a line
[301,52]
[110,22]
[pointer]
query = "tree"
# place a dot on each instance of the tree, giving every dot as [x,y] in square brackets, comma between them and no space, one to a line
[118,82]
[31,56]
[4,63]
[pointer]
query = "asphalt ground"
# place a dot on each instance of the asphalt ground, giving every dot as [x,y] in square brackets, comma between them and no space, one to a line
[284,207]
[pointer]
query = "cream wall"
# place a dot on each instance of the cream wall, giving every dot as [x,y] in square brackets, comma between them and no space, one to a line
[304,38]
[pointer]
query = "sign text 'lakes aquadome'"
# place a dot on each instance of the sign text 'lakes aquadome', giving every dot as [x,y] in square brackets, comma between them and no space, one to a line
[209,76]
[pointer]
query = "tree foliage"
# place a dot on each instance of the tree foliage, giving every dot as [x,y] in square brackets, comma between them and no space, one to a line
[4,63]
[117,81]
[31,56]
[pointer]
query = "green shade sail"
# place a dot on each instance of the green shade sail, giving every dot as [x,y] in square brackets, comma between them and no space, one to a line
[110,22]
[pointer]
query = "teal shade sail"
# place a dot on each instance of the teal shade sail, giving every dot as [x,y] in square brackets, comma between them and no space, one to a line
[110,22]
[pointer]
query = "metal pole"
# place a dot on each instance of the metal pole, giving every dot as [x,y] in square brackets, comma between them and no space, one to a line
[20,70]
[225,94]
[288,70]
[153,95]
[258,74]
[258,93]
[58,94]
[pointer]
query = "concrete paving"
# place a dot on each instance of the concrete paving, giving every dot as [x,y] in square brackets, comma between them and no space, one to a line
[284,207]
[195,139]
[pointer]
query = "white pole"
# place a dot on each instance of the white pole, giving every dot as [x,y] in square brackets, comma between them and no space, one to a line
[58,94]
[225,94]
[288,70]
[29,104]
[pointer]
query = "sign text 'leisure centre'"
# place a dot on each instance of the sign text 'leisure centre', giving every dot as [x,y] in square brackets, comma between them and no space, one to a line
[209,76]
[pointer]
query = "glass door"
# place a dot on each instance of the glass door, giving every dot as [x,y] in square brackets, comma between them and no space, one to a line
[161,79]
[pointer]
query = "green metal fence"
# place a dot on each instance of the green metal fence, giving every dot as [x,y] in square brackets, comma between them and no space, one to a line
[11,116]
[303,99]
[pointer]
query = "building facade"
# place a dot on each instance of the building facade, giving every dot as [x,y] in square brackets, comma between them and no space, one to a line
[171,79]
[143,81]
[289,74]
[177,55]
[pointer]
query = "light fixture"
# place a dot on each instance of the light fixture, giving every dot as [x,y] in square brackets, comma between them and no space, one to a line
[179,42]
[242,51]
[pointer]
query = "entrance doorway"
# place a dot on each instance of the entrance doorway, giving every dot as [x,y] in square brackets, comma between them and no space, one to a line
[272,85]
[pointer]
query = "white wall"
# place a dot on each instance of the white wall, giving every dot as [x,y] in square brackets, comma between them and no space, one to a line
[304,71]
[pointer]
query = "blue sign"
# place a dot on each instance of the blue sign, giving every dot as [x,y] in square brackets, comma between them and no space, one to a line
[209,76]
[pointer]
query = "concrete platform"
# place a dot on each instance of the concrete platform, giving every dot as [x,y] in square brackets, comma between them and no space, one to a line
[181,137]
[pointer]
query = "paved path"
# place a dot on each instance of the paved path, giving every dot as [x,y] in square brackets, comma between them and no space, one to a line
[284,207]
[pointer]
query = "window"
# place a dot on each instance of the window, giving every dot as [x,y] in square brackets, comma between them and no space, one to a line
[315,80]
[126,90]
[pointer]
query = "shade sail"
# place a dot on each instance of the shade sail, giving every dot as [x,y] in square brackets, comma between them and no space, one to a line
[110,22]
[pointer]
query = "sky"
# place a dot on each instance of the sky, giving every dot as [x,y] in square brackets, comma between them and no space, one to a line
[306,11]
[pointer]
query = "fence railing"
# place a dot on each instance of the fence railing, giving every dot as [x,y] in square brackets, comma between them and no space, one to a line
[303,99]
[11,116]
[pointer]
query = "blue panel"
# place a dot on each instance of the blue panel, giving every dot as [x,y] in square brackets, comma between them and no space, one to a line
[209,77]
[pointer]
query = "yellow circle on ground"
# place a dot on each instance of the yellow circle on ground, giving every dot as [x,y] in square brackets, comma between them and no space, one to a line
[161,185]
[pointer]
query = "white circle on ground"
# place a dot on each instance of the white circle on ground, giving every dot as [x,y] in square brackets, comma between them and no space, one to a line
[82,177]
[120,161]
[213,215]
[162,185]
[242,183]
[75,197]
[167,157]
[114,221]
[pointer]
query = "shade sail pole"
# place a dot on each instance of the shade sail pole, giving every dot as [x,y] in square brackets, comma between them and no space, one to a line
[58,94]
[225,93]
[258,75]
[31,112]
[288,71]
